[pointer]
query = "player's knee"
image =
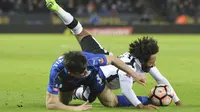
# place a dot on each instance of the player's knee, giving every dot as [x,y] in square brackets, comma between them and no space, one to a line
[83,35]
[110,102]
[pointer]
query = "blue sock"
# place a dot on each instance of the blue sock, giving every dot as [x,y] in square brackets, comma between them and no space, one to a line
[144,100]
[123,101]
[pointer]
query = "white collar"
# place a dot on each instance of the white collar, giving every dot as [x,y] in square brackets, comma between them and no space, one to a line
[88,73]
[138,62]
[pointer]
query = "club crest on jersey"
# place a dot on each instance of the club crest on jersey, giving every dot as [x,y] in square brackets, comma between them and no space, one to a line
[55,89]
[101,60]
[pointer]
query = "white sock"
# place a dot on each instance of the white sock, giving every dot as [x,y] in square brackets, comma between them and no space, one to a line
[79,93]
[67,18]
[78,29]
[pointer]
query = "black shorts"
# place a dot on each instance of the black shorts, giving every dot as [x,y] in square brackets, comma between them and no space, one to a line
[89,44]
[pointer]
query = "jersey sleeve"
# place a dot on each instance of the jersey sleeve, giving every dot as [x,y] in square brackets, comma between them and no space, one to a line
[126,83]
[97,60]
[53,86]
[54,82]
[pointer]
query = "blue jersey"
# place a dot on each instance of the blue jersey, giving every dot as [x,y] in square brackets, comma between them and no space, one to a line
[60,80]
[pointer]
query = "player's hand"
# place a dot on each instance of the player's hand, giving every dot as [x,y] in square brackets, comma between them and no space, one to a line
[141,80]
[179,103]
[84,106]
[149,106]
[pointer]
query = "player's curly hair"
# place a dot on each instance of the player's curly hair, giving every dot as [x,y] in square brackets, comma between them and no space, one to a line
[75,61]
[143,48]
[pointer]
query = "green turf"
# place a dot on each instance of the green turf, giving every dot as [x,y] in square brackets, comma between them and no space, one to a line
[25,61]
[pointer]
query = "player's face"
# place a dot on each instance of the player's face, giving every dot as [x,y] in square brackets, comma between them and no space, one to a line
[151,61]
[79,75]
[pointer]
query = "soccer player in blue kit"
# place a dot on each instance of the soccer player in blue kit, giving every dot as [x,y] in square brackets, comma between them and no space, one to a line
[76,68]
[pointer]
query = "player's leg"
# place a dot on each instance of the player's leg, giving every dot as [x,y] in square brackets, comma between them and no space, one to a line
[114,83]
[124,102]
[97,89]
[68,20]
[87,42]
[108,98]
[90,44]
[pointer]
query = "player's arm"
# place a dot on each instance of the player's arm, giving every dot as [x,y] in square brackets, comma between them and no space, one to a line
[126,88]
[52,97]
[126,84]
[121,65]
[160,79]
[53,103]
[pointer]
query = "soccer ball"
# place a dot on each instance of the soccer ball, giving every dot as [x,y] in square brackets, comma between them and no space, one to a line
[161,95]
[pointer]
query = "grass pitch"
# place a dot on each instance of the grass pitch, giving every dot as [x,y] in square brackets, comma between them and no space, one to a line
[25,61]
